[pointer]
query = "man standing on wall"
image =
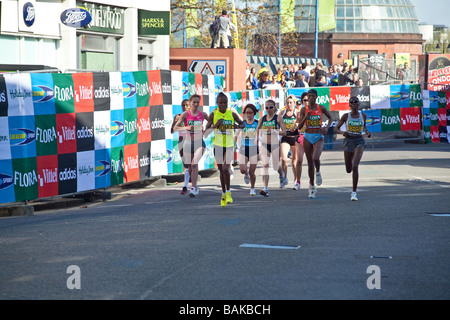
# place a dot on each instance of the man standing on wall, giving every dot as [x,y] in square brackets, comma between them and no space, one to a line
[221,39]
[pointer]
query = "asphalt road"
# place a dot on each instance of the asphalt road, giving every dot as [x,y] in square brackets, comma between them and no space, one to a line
[156,244]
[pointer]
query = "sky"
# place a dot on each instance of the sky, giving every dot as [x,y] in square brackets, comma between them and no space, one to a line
[433,11]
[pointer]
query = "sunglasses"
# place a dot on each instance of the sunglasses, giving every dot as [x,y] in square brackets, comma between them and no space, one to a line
[305,100]
[271,107]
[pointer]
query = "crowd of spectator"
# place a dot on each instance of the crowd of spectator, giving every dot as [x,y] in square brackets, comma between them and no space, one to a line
[304,75]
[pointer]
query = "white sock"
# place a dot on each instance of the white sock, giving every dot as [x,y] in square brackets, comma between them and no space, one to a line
[186,177]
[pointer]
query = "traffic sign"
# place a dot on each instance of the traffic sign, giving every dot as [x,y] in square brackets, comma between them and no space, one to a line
[211,67]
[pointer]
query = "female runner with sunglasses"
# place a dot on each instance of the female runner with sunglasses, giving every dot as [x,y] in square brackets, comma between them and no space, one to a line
[270,127]
[354,143]
[248,147]
[312,117]
[299,150]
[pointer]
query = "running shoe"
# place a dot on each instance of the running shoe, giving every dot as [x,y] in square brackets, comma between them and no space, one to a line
[252,192]
[318,178]
[223,201]
[246,178]
[312,192]
[229,198]
[264,192]
[192,192]
[283,182]
[184,191]
[296,185]
[353,197]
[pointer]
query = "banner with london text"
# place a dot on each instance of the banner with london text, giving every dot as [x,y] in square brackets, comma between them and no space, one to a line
[68,133]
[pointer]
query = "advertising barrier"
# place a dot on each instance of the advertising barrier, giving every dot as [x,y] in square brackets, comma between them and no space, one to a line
[67,133]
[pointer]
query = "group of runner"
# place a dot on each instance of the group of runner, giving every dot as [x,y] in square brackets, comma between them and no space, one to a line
[299,124]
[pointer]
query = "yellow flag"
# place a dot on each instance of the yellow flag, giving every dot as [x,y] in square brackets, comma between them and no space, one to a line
[236,36]
[287,12]
[191,20]
[327,19]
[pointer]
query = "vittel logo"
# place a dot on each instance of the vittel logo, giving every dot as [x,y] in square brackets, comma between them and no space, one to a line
[101,92]
[434,135]
[49,176]
[63,94]
[25,179]
[45,135]
[85,132]
[133,162]
[199,89]
[84,93]
[145,124]
[342,98]
[68,133]
[390,120]
[411,119]
[156,88]
[442,117]
[67,174]
[158,123]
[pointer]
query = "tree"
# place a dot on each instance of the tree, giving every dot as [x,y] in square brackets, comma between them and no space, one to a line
[253,17]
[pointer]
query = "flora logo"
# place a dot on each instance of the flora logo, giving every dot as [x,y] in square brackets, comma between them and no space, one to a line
[45,135]
[390,119]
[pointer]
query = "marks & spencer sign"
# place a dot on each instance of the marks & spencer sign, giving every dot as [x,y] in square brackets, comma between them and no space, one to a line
[153,23]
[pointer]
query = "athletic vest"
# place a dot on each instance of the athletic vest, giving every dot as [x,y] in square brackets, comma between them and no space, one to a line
[315,119]
[197,121]
[355,125]
[224,134]
[249,134]
[268,125]
[289,122]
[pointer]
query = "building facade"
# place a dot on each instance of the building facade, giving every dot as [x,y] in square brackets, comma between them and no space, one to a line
[363,28]
[123,35]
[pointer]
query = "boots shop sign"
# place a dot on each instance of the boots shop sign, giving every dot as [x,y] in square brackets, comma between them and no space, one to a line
[75,17]
[107,19]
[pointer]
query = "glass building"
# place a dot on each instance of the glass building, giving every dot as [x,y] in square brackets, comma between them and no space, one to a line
[362,16]
[363,28]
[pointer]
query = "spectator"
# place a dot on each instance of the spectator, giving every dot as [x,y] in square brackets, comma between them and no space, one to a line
[406,72]
[283,82]
[321,81]
[263,69]
[298,81]
[264,80]
[221,40]
[252,81]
